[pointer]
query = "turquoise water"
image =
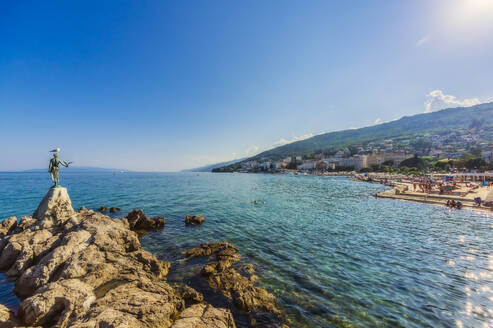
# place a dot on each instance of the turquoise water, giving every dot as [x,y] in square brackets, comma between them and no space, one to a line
[334,255]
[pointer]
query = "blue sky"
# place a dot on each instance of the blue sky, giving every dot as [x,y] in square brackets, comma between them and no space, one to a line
[163,86]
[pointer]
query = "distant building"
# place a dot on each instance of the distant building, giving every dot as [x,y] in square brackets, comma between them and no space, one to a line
[307,165]
[321,165]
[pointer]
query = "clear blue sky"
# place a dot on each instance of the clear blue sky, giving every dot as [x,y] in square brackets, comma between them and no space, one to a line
[161,85]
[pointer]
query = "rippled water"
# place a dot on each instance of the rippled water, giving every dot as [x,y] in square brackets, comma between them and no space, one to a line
[334,255]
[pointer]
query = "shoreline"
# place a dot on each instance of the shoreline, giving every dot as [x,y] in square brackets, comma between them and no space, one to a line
[400,191]
[84,269]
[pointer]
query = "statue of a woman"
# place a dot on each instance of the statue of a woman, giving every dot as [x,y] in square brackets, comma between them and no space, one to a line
[53,167]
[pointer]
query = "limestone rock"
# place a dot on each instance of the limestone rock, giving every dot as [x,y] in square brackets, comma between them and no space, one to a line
[225,253]
[223,278]
[150,304]
[26,222]
[87,270]
[139,221]
[189,295]
[194,219]
[205,315]
[24,248]
[55,302]
[54,209]
[38,275]
[7,318]
[7,226]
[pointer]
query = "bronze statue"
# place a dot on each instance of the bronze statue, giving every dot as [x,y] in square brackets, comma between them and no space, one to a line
[53,168]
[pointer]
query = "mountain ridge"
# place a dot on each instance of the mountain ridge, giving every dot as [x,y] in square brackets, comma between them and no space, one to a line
[445,119]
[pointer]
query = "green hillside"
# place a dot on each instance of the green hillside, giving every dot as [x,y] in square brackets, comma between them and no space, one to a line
[408,126]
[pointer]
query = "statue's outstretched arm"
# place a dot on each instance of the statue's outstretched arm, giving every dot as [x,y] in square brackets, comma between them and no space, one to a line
[66,164]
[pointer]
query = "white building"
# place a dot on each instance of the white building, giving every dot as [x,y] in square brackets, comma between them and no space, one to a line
[307,165]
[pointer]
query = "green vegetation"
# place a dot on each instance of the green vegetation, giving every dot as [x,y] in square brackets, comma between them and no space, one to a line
[407,132]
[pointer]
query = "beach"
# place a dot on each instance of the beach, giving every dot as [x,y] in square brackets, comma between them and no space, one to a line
[408,188]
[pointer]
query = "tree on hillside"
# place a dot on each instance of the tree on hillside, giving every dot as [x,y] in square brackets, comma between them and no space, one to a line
[413,162]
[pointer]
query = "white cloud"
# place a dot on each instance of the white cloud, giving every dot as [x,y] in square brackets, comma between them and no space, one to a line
[423,40]
[250,151]
[283,141]
[436,100]
[378,121]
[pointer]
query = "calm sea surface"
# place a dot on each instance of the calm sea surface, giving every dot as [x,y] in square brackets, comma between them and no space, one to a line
[333,254]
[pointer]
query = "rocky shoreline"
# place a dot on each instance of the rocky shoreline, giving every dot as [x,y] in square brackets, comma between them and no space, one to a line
[85,269]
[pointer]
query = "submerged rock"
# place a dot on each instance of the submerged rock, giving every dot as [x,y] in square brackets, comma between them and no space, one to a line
[223,278]
[114,209]
[103,209]
[194,219]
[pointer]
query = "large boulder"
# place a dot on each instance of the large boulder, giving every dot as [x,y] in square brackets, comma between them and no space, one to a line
[138,221]
[54,209]
[7,226]
[55,302]
[194,219]
[24,248]
[45,270]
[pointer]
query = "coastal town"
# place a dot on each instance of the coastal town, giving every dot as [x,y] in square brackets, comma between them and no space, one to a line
[387,154]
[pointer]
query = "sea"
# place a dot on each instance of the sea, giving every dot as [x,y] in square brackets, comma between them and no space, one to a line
[332,253]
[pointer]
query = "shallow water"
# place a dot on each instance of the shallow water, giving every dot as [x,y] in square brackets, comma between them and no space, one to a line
[333,254]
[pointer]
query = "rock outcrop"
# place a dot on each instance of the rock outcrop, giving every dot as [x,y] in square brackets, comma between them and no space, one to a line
[222,277]
[138,221]
[7,226]
[54,209]
[194,219]
[204,315]
[85,270]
